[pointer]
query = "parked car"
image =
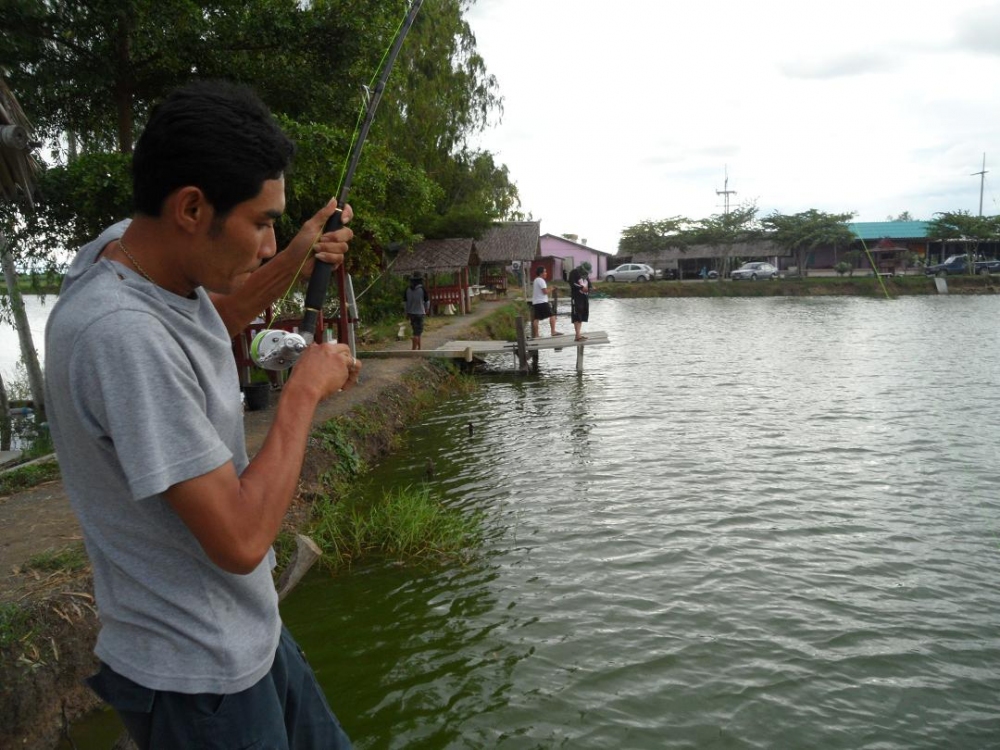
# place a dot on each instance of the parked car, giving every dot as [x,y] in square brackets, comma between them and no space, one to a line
[957,264]
[631,272]
[754,271]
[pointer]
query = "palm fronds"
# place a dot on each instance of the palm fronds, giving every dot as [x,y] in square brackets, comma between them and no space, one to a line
[18,168]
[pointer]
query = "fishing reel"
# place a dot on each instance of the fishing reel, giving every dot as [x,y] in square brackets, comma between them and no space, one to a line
[274,349]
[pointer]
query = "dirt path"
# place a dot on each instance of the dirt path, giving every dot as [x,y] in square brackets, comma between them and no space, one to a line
[40,519]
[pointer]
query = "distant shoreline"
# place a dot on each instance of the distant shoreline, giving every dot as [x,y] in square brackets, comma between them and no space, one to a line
[810,286]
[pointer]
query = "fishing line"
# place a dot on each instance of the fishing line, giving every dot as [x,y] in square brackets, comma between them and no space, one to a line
[871,260]
[366,94]
[279,349]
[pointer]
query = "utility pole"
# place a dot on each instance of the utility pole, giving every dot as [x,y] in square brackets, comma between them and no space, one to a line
[982,182]
[727,192]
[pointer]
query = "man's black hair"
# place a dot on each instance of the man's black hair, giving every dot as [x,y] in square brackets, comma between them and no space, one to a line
[539,271]
[213,135]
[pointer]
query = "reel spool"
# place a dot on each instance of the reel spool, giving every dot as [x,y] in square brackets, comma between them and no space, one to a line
[276,349]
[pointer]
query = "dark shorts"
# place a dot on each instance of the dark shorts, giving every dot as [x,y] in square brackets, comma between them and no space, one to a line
[417,324]
[579,309]
[285,709]
[541,311]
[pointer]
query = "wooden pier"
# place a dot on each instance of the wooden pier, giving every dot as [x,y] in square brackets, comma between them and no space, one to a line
[524,349]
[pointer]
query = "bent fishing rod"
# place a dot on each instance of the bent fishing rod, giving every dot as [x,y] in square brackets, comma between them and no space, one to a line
[279,350]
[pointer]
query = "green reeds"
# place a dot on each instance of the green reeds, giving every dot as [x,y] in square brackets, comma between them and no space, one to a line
[407,524]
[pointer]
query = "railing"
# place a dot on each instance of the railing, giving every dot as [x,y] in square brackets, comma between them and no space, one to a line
[495,280]
[442,296]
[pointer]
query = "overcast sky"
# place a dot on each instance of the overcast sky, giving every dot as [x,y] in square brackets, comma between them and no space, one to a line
[625,110]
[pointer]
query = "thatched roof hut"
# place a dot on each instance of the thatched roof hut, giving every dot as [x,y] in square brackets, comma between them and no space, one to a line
[509,241]
[437,256]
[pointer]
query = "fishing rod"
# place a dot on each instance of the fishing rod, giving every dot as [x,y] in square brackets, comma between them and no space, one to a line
[279,350]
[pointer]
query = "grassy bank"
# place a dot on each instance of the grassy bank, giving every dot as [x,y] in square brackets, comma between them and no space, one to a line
[810,286]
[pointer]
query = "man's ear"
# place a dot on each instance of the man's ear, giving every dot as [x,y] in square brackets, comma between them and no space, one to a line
[190,210]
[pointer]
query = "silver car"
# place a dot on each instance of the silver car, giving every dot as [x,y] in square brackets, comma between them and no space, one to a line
[631,272]
[754,271]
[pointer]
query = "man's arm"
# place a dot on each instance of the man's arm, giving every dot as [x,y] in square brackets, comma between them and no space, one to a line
[269,282]
[237,518]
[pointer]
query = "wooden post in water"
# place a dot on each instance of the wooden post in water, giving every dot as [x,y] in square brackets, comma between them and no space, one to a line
[579,358]
[522,345]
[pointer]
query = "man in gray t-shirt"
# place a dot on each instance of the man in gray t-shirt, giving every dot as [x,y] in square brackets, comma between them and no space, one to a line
[143,400]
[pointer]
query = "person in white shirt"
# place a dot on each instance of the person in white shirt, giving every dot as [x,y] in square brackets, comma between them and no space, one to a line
[540,307]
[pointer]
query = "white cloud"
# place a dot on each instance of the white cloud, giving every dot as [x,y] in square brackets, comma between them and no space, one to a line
[632,110]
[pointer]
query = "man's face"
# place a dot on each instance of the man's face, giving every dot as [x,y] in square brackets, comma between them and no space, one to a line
[243,238]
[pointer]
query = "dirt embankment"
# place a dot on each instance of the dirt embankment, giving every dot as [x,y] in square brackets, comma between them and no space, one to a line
[53,617]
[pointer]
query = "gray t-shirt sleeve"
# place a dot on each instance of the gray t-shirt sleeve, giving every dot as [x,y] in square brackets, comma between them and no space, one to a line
[147,398]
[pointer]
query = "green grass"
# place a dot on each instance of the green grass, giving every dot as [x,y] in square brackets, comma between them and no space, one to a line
[15,624]
[502,324]
[68,559]
[858,285]
[25,477]
[405,524]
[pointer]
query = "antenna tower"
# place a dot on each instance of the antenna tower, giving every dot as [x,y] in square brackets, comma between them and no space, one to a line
[982,182]
[726,192]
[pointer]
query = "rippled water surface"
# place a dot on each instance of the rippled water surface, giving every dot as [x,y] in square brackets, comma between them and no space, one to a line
[750,523]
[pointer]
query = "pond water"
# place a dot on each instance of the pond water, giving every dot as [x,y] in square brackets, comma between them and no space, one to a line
[750,523]
[37,309]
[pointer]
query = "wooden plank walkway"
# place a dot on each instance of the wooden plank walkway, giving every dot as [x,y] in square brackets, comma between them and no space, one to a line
[468,350]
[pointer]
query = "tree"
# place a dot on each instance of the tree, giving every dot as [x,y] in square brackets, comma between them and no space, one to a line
[807,231]
[17,178]
[963,226]
[727,229]
[440,90]
[651,236]
[93,69]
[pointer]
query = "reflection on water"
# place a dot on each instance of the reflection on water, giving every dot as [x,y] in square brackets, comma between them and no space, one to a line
[751,523]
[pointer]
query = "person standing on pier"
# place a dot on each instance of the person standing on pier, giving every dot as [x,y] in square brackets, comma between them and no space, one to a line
[418,304]
[579,287]
[540,307]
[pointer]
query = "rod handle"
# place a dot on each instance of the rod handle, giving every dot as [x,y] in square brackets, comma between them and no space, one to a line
[319,282]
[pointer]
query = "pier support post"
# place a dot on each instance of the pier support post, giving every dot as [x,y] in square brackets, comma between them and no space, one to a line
[522,345]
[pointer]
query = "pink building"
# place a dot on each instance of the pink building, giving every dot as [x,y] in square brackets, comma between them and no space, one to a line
[567,253]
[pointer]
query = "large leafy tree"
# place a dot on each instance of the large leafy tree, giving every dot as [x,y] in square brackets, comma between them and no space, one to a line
[726,229]
[441,91]
[804,232]
[737,225]
[441,94]
[962,225]
[18,170]
[93,68]
[654,235]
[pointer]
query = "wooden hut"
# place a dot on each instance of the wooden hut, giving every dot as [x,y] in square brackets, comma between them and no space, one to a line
[509,244]
[447,266]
